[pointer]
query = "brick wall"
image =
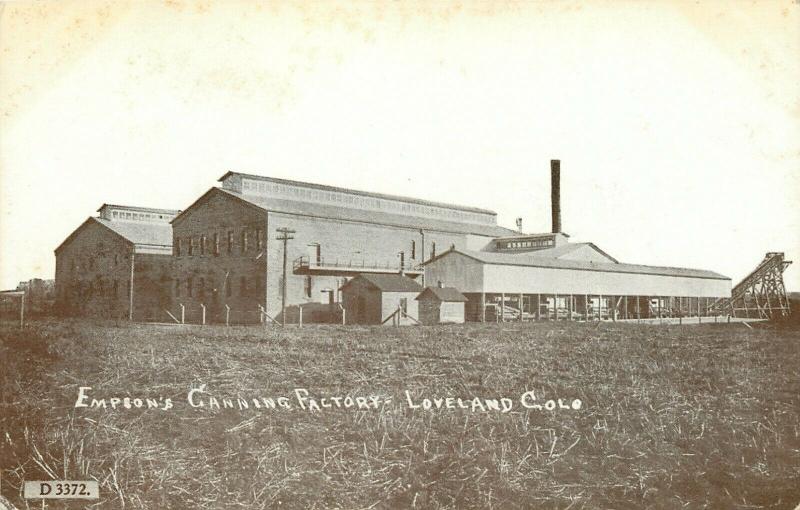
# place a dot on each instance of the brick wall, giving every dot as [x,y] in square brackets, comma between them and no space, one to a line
[93,273]
[218,279]
[216,275]
[151,287]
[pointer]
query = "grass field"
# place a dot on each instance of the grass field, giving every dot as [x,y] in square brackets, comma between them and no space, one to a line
[671,417]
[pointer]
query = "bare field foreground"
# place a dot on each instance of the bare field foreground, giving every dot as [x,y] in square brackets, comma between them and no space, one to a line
[703,416]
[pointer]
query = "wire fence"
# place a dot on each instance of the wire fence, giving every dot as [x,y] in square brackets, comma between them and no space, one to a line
[293,315]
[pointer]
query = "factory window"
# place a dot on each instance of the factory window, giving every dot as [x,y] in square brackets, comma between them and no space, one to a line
[230,242]
[189,286]
[177,287]
[243,286]
[413,250]
[404,304]
[202,245]
[116,259]
[216,243]
[309,285]
[259,239]
[201,288]
[244,241]
[191,247]
[178,247]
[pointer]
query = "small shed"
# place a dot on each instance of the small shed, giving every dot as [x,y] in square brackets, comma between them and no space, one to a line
[376,298]
[441,305]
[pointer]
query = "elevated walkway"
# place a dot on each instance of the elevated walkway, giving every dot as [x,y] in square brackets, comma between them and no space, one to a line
[349,267]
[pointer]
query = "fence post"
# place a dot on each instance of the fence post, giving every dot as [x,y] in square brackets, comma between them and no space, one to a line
[301,315]
[227,315]
[203,307]
[22,313]
[183,314]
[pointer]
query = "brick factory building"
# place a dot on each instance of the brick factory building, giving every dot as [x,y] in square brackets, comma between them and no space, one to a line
[224,257]
[227,254]
[117,265]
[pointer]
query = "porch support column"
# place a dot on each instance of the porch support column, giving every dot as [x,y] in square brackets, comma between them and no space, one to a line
[600,308]
[586,307]
[571,307]
[555,307]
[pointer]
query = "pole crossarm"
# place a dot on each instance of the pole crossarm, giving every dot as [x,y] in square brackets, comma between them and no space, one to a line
[285,235]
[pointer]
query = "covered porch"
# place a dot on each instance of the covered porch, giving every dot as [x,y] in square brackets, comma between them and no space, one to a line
[507,307]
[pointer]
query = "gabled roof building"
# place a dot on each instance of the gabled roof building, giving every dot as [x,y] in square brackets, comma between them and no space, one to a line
[441,305]
[228,254]
[117,265]
[381,299]
[259,248]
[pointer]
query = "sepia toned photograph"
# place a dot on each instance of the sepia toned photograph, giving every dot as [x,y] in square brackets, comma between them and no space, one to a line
[386,254]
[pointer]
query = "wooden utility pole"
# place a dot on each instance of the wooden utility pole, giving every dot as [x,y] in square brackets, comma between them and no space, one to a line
[422,255]
[130,293]
[285,235]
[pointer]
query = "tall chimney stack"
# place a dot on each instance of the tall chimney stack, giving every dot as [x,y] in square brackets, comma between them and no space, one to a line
[555,194]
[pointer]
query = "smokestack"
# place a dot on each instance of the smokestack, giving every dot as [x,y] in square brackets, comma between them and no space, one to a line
[555,194]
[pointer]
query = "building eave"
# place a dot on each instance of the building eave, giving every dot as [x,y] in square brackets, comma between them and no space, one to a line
[611,269]
[205,196]
[372,194]
[90,219]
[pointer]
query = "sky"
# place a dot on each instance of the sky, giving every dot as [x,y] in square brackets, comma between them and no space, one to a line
[677,123]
